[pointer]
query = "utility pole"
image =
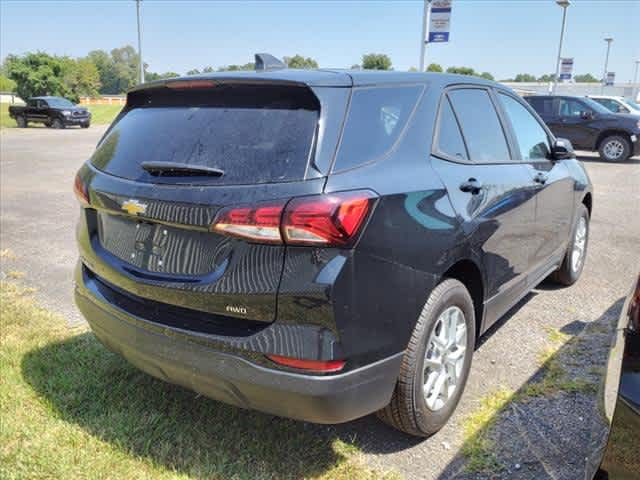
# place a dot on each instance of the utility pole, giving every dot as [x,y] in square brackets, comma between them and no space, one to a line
[635,90]
[606,64]
[564,4]
[140,43]
[426,18]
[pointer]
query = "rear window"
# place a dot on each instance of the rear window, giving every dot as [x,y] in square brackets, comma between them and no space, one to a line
[253,134]
[542,105]
[377,117]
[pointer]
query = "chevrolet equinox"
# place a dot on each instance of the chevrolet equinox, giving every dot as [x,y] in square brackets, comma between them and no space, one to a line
[322,244]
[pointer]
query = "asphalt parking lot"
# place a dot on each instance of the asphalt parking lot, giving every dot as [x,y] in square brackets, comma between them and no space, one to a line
[546,436]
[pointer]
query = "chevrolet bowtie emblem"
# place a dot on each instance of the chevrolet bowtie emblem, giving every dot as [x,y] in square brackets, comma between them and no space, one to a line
[134,207]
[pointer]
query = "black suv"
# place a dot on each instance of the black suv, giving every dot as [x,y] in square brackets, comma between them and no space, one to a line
[54,112]
[590,126]
[322,244]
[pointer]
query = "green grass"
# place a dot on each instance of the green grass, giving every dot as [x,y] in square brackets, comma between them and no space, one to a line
[100,115]
[71,409]
[478,446]
[5,119]
[103,114]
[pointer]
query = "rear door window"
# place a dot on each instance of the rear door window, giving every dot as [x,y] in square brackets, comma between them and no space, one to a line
[449,138]
[571,108]
[377,117]
[481,127]
[542,105]
[253,135]
[532,138]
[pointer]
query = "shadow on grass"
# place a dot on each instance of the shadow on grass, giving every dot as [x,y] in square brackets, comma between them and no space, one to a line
[553,423]
[174,427]
[88,385]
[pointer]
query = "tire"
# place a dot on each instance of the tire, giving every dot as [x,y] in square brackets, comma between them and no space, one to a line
[57,123]
[85,125]
[409,410]
[570,271]
[22,121]
[615,148]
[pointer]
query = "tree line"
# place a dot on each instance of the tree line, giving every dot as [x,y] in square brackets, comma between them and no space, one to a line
[115,72]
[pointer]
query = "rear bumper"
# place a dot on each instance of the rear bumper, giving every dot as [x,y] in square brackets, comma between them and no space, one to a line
[233,379]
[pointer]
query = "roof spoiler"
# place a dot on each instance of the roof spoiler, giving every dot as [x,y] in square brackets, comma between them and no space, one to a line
[265,61]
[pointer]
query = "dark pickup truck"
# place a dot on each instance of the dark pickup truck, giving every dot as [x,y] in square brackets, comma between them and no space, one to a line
[589,125]
[55,112]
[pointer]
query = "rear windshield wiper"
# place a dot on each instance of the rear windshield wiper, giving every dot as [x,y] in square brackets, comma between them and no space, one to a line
[180,169]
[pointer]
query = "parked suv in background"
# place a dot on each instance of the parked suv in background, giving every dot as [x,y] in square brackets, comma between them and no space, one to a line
[322,244]
[616,104]
[590,126]
[55,112]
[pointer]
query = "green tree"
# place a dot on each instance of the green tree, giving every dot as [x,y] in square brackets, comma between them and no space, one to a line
[434,67]
[194,71]
[6,84]
[524,77]
[151,76]
[126,64]
[487,76]
[234,68]
[208,69]
[37,74]
[462,70]
[81,78]
[547,77]
[106,70]
[413,69]
[376,61]
[586,78]
[298,61]
[355,66]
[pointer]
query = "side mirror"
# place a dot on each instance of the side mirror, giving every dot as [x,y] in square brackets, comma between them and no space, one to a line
[562,149]
[586,115]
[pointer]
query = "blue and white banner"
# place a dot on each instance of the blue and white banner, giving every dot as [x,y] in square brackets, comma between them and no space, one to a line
[566,68]
[610,79]
[440,21]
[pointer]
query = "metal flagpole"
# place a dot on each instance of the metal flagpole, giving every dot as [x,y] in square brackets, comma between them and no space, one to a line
[140,42]
[426,18]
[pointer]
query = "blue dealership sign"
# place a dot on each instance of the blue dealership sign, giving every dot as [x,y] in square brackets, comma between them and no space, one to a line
[440,21]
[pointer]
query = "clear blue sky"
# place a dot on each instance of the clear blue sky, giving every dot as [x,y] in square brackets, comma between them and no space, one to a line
[503,37]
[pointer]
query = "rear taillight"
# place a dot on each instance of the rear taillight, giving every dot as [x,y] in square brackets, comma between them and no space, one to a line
[260,223]
[81,191]
[316,366]
[328,220]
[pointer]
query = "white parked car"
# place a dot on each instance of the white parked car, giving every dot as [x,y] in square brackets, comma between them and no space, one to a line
[617,104]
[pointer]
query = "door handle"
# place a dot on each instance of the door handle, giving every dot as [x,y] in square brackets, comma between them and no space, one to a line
[540,178]
[472,185]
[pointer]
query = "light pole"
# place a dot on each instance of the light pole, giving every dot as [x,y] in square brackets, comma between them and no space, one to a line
[634,90]
[606,64]
[426,15]
[140,42]
[564,4]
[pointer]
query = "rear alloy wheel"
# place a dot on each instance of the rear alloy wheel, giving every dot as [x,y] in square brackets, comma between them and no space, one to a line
[57,123]
[615,148]
[22,122]
[436,363]
[573,263]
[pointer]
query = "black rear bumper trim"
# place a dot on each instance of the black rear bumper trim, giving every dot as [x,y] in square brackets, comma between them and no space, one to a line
[233,379]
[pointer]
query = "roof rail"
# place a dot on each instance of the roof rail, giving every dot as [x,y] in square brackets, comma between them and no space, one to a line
[265,61]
